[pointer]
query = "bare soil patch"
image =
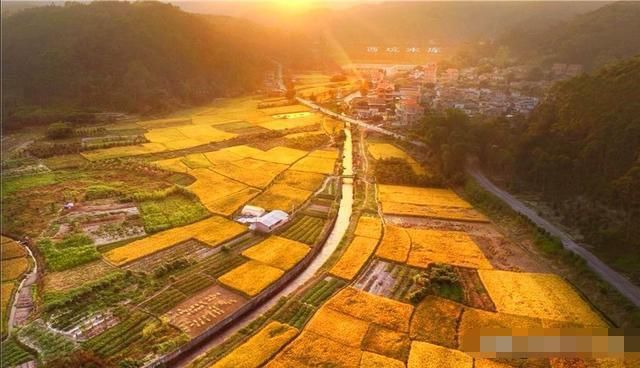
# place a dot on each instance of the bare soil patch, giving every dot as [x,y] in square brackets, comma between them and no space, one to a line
[502,253]
[204,309]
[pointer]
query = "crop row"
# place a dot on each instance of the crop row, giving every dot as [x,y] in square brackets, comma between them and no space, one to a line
[321,291]
[403,282]
[48,343]
[120,336]
[164,301]
[221,263]
[192,283]
[305,230]
[296,314]
[13,354]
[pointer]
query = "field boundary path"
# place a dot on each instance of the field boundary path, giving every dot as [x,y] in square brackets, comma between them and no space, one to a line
[28,280]
[621,283]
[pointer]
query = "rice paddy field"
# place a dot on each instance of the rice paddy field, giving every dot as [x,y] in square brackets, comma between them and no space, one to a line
[383,151]
[193,266]
[544,296]
[211,231]
[426,202]
[354,258]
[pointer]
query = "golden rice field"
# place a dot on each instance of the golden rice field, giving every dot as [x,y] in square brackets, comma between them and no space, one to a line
[440,246]
[186,136]
[315,164]
[421,196]
[172,164]
[389,343]
[227,205]
[248,171]
[370,227]
[277,252]
[292,123]
[339,327]
[11,249]
[196,161]
[354,257]
[279,155]
[301,180]
[282,197]
[538,295]
[312,350]
[284,109]
[395,244]
[425,355]
[426,202]
[214,189]
[332,154]
[212,231]
[372,308]
[381,151]
[223,155]
[259,348]
[443,213]
[125,151]
[372,360]
[251,277]
[6,292]
[13,268]
[435,320]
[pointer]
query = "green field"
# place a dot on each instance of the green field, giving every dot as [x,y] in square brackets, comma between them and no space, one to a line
[171,211]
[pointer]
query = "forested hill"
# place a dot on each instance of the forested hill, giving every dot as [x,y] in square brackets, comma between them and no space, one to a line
[585,136]
[443,22]
[592,39]
[581,150]
[138,57]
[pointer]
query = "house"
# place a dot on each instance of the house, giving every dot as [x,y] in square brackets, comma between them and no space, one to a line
[430,73]
[271,221]
[252,211]
[408,111]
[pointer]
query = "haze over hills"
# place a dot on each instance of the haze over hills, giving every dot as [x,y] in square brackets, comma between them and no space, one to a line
[603,35]
[293,183]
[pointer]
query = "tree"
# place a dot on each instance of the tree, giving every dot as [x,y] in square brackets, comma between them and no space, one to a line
[59,130]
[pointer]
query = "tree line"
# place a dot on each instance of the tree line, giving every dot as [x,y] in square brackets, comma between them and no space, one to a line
[580,149]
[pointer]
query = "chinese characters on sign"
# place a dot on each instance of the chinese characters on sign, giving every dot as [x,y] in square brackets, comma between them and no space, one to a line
[397,49]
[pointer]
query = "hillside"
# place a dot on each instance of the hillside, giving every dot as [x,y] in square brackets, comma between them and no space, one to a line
[592,39]
[136,57]
[580,149]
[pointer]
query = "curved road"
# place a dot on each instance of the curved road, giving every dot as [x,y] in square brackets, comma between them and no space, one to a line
[621,283]
[624,286]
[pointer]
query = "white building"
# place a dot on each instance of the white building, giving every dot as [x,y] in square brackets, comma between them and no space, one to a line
[271,221]
[253,211]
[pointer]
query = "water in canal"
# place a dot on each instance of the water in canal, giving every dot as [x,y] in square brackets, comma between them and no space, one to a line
[336,235]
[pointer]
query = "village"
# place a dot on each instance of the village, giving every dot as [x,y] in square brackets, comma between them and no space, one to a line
[399,95]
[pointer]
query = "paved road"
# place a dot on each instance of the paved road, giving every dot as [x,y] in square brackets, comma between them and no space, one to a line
[360,123]
[622,284]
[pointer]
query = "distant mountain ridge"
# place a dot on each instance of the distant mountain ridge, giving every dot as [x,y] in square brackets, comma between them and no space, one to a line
[607,34]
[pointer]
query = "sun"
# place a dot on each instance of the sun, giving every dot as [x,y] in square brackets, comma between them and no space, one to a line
[294,6]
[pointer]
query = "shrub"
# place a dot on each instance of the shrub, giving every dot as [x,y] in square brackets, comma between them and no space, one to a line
[59,130]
